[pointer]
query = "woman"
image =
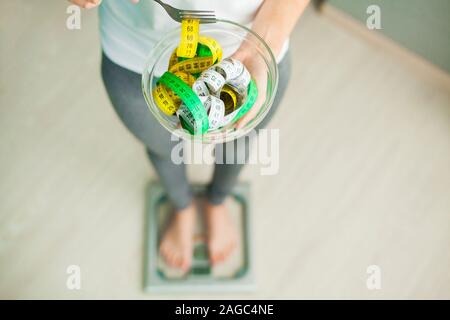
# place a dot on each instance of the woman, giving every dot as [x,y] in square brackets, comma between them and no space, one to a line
[128,30]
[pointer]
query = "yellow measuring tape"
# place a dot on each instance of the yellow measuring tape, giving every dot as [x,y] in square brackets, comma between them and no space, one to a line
[189,43]
[173,59]
[166,99]
[214,47]
[229,98]
[184,69]
[194,65]
[189,38]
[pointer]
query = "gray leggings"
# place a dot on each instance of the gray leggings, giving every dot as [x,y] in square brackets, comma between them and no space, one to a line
[124,90]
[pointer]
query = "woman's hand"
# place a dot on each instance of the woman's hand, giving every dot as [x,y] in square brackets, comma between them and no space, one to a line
[274,23]
[255,65]
[89,4]
[86,4]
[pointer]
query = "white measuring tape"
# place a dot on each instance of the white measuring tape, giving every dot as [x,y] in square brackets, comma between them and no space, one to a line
[209,87]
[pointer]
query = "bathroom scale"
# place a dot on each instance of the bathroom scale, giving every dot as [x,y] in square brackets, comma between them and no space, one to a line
[233,275]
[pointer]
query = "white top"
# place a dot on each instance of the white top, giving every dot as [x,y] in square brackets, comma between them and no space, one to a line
[129,31]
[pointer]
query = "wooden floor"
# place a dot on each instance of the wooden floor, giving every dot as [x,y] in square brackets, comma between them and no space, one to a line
[364,170]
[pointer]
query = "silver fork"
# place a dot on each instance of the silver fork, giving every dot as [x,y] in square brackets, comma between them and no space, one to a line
[178,14]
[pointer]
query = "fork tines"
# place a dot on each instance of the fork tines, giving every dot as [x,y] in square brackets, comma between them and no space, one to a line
[203,16]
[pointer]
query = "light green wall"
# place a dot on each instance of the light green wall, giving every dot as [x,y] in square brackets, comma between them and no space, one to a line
[423,26]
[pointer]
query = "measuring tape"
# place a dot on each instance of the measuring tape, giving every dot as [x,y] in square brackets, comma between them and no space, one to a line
[204,91]
[214,81]
[216,111]
[166,99]
[213,46]
[194,65]
[186,78]
[229,98]
[230,83]
[249,102]
[189,38]
[195,53]
[193,111]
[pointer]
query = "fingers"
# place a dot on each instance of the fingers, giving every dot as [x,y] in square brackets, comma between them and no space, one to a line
[92,4]
[240,55]
[86,4]
[243,53]
[243,121]
[246,118]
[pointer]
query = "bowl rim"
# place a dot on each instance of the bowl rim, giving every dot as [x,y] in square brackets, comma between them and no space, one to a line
[232,133]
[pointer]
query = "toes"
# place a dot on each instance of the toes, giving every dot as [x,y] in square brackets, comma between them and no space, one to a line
[176,260]
[185,263]
[164,253]
[225,253]
[212,252]
[186,259]
[216,255]
[220,255]
[168,255]
[171,259]
[229,250]
[233,245]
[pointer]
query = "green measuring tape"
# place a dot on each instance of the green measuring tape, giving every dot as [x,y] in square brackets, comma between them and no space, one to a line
[204,51]
[249,102]
[198,118]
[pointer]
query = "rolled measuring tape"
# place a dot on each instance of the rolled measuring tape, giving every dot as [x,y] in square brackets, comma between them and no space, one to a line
[213,46]
[166,99]
[229,98]
[250,100]
[191,109]
[227,90]
[216,111]
[213,80]
[204,91]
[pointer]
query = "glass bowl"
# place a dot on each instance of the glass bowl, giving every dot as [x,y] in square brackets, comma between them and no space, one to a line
[230,36]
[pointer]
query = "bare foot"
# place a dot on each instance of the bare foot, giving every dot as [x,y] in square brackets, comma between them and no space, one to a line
[222,234]
[176,244]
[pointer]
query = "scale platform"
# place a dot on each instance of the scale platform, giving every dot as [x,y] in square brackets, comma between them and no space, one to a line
[233,275]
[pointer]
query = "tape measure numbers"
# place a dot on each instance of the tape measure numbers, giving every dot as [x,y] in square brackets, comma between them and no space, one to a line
[166,99]
[189,38]
[199,118]
[213,46]
[193,65]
